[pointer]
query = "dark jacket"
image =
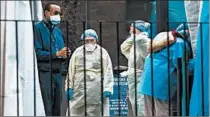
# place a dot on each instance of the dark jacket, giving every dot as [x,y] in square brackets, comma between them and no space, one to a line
[42,47]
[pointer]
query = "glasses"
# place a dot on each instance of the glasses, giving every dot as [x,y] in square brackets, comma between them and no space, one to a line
[58,13]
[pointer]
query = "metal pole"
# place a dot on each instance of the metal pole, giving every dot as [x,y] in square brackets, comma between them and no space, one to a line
[184,88]
[0,61]
[87,16]
[17,66]
[50,64]
[162,15]
[186,61]
[163,25]
[4,63]
[179,86]
[102,70]
[202,73]
[67,37]
[118,63]
[34,70]
[135,77]
[33,12]
[152,76]
[84,61]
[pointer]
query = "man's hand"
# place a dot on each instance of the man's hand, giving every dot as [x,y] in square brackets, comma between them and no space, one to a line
[64,52]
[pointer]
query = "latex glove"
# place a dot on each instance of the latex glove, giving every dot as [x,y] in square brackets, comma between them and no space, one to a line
[107,94]
[124,74]
[69,93]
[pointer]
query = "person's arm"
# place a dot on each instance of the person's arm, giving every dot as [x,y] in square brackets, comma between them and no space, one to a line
[107,72]
[40,53]
[69,83]
[125,47]
[141,44]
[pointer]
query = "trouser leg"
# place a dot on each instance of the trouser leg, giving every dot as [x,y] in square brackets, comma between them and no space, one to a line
[94,110]
[64,103]
[77,111]
[51,89]
[149,107]
[91,109]
[162,107]
[136,100]
[131,98]
[46,85]
[106,107]
[130,111]
[140,105]
[58,95]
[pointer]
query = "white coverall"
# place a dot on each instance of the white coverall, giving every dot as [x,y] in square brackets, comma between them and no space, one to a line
[127,49]
[93,78]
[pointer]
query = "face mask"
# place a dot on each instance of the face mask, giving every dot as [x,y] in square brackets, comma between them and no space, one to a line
[90,47]
[55,19]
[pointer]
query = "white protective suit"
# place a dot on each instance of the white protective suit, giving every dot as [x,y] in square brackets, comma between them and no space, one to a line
[192,8]
[93,74]
[127,49]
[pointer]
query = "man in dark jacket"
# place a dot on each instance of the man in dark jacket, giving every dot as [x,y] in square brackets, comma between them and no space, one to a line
[48,35]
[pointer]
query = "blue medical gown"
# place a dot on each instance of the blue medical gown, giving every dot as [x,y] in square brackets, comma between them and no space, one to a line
[160,71]
[196,98]
[177,14]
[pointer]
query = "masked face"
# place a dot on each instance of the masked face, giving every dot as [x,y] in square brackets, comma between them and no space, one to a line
[90,44]
[55,19]
[53,15]
[90,47]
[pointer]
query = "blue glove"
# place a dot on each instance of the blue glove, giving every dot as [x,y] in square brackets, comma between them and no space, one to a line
[107,94]
[69,93]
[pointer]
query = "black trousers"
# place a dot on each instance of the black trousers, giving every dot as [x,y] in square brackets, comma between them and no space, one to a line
[51,89]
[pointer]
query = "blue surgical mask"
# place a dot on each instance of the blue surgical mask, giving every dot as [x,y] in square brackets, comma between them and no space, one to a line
[55,19]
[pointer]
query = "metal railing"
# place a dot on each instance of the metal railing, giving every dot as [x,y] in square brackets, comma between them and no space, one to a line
[183,80]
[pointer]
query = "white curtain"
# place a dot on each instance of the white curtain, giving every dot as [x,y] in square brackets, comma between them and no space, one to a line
[26,75]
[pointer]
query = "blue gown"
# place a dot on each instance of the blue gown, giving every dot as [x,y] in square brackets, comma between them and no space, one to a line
[176,14]
[160,71]
[196,98]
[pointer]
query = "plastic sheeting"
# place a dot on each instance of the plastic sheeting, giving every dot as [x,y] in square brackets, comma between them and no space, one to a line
[192,9]
[19,65]
[176,14]
[202,58]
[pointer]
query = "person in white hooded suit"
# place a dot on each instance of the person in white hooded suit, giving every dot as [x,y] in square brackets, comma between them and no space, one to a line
[89,64]
[135,50]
